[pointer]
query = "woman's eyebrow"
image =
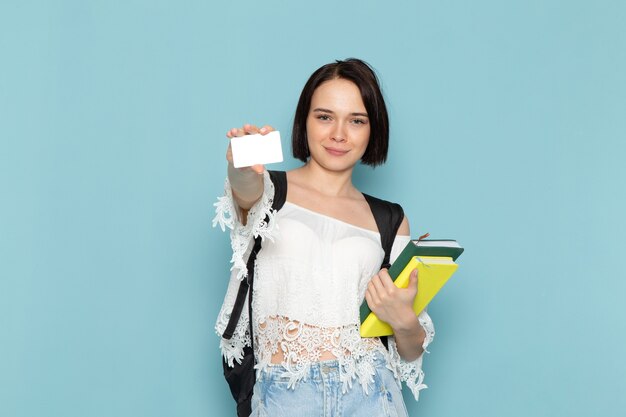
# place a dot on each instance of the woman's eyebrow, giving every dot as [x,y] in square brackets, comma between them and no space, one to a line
[323,110]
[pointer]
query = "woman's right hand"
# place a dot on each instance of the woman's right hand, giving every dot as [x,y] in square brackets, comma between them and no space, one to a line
[246,129]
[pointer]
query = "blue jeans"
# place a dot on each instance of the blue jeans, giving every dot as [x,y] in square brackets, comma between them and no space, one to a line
[319,394]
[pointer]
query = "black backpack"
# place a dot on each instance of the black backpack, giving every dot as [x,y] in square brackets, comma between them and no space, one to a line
[242,376]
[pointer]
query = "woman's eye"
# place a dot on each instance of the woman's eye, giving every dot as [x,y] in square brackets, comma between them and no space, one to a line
[323,117]
[359,121]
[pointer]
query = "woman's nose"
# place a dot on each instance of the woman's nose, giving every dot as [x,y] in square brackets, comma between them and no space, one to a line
[339,135]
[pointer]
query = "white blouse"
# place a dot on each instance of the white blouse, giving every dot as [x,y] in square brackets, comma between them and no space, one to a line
[310,280]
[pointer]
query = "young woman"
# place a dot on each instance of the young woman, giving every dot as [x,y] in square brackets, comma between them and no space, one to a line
[320,258]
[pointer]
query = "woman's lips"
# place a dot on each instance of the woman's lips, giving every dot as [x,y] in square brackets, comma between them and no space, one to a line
[336,152]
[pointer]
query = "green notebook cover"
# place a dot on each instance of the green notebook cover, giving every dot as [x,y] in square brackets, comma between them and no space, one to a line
[424,247]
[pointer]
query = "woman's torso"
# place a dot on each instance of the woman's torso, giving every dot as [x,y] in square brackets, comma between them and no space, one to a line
[309,286]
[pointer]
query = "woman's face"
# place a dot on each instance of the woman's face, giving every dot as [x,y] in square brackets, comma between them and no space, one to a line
[337,125]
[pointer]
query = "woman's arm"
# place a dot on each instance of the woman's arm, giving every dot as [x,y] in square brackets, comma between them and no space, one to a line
[395,306]
[246,183]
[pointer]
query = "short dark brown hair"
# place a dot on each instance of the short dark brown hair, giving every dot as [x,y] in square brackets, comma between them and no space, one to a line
[363,75]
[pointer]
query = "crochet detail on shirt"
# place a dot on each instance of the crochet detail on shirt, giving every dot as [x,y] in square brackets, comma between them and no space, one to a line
[260,222]
[301,345]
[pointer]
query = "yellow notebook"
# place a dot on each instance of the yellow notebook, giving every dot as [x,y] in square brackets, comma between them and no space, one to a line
[432,273]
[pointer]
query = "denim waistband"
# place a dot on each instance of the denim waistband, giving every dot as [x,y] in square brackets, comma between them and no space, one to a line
[316,371]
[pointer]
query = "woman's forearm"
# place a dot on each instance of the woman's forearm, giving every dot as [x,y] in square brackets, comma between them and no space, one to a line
[246,184]
[410,339]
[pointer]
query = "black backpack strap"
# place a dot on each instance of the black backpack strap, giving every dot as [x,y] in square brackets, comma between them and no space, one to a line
[388,218]
[243,291]
[279,179]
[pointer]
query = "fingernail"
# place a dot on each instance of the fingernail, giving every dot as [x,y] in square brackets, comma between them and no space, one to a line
[263,130]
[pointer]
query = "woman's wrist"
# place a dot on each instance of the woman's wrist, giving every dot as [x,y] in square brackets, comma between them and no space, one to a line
[407,324]
[409,337]
[246,184]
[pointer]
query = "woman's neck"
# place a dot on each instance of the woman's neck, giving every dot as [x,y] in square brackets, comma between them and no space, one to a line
[326,182]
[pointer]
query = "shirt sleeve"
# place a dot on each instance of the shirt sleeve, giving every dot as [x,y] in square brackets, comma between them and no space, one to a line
[259,222]
[410,372]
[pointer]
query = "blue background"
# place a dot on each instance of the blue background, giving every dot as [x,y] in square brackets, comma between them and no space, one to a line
[508,133]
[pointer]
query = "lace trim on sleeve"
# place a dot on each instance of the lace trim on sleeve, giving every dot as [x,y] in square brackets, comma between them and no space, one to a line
[411,372]
[227,216]
[232,349]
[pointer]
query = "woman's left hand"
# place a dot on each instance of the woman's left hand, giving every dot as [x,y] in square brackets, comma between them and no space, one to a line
[392,304]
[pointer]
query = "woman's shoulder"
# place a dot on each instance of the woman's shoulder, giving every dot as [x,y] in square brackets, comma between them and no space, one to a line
[389,212]
[383,202]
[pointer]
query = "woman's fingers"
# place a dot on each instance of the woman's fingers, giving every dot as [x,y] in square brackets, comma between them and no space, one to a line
[234,132]
[378,290]
[247,129]
[386,281]
[258,168]
[266,129]
[371,299]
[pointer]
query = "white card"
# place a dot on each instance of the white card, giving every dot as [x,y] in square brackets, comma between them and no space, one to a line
[257,149]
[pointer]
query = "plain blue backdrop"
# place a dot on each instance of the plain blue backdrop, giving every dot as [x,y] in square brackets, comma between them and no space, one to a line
[508,123]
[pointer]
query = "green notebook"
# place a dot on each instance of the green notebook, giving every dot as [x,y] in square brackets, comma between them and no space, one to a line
[419,247]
